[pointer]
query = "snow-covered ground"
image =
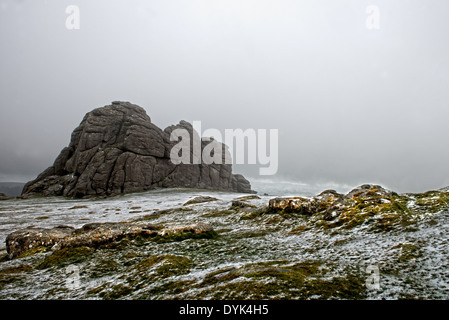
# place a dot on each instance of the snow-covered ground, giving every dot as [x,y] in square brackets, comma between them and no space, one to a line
[412,262]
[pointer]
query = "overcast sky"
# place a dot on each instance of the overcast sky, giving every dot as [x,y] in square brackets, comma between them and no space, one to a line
[352,104]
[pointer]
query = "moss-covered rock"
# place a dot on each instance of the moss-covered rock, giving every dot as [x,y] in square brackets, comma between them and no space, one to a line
[166,265]
[282,280]
[96,235]
[368,205]
[104,267]
[200,199]
[65,257]
[408,251]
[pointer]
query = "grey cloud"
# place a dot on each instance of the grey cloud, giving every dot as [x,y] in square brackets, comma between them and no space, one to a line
[352,105]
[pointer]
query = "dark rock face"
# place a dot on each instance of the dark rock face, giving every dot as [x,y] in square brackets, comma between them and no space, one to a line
[117,149]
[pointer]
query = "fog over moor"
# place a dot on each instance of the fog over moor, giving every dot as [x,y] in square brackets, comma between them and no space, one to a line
[358,90]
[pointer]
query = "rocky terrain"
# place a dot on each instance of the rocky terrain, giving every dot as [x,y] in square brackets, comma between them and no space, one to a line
[198,245]
[117,149]
[32,240]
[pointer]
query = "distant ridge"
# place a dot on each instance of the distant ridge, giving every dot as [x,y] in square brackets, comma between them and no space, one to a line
[11,189]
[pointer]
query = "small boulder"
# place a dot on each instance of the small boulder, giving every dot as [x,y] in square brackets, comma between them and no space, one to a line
[369,190]
[296,204]
[250,197]
[21,241]
[200,199]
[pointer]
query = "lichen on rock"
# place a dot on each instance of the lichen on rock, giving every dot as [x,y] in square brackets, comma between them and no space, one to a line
[95,235]
[371,205]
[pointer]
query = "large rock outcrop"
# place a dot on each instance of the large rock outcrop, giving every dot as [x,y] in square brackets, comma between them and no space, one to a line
[117,149]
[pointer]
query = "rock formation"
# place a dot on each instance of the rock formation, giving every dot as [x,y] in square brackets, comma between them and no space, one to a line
[96,234]
[368,206]
[331,201]
[117,149]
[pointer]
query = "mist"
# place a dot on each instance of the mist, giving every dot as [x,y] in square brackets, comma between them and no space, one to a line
[352,104]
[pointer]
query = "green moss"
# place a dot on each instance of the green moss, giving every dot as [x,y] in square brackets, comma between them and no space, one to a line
[143,239]
[170,288]
[349,287]
[20,269]
[293,275]
[166,265]
[116,292]
[66,256]
[219,276]
[408,251]
[97,291]
[10,279]
[180,236]
[303,227]
[267,215]
[218,213]
[432,201]
[33,251]
[13,275]
[379,213]
[104,267]
[251,215]
[144,274]
[246,289]
[275,280]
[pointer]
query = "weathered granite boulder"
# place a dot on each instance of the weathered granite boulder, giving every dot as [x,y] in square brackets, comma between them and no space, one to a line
[250,197]
[330,201]
[96,234]
[117,149]
[200,199]
[286,203]
[367,206]
[369,190]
